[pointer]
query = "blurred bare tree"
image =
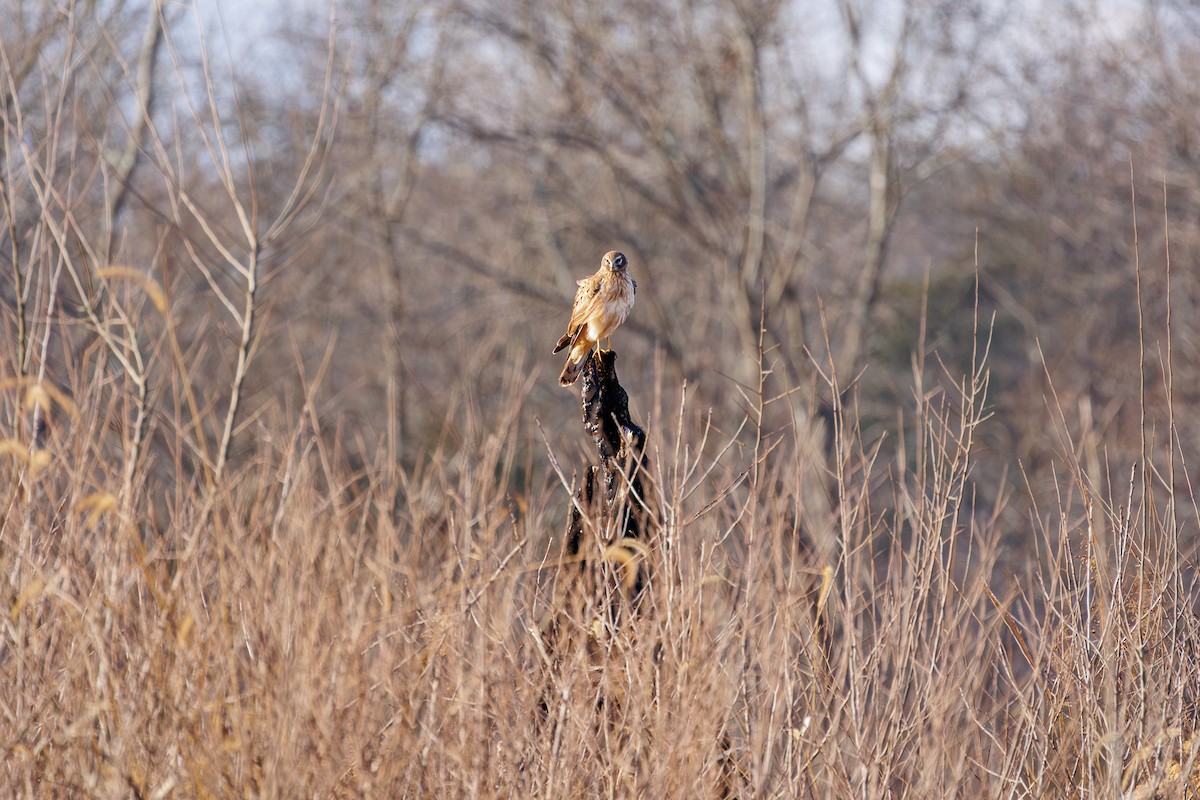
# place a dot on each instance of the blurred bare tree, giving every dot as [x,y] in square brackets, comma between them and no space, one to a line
[398,244]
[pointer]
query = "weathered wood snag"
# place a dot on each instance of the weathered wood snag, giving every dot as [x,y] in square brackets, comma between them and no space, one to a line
[596,633]
[611,512]
[605,571]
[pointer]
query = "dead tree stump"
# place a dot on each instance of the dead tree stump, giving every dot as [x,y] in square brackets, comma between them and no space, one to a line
[605,571]
[602,591]
[611,513]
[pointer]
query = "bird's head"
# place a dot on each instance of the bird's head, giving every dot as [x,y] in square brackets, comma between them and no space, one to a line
[614,261]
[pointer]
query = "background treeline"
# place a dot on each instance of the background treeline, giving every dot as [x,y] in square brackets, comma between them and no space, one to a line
[419,187]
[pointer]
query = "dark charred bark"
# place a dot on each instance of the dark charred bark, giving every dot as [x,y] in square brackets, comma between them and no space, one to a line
[612,505]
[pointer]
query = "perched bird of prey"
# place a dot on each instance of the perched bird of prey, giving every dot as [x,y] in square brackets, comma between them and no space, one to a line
[601,304]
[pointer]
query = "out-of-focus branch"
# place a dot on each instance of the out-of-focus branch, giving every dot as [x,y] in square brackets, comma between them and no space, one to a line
[16,72]
[10,218]
[118,190]
[881,214]
[15,67]
[748,284]
[883,189]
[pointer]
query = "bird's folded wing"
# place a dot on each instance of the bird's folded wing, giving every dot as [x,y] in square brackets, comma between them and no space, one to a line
[588,303]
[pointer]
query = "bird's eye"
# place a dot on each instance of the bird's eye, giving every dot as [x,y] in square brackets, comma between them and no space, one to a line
[620,261]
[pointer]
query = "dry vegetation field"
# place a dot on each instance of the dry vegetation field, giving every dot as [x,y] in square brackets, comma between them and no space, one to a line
[285,471]
[304,628]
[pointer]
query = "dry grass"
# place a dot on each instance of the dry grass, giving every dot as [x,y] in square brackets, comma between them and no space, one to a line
[311,631]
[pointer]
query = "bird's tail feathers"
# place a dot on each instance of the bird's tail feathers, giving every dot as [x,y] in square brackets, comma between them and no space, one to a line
[570,338]
[571,372]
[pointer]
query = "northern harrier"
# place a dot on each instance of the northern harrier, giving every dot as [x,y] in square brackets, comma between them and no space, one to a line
[601,304]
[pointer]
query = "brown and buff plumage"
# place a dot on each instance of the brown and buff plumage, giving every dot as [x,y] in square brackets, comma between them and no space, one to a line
[601,304]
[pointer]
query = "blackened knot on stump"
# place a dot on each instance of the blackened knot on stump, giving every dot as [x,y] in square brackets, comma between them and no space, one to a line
[613,495]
